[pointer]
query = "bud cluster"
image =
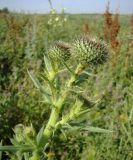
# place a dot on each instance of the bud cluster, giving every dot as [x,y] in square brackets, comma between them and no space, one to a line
[86,50]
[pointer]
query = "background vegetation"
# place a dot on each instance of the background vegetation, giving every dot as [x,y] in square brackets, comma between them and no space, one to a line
[24,39]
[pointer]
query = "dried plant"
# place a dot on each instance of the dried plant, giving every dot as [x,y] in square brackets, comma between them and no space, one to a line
[107,23]
[132,30]
[111,28]
[85,28]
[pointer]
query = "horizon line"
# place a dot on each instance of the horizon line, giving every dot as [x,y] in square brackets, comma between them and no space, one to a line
[41,12]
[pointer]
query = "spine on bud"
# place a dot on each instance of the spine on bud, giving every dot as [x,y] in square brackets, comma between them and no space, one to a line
[90,51]
[60,51]
[86,50]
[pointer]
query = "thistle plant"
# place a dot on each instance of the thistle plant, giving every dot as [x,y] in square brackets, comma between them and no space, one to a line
[86,52]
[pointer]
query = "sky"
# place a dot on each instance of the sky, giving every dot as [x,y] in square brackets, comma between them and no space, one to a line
[71,6]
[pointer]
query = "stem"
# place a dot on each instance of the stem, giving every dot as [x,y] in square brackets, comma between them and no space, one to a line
[35,156]
[51,124]
[50,127]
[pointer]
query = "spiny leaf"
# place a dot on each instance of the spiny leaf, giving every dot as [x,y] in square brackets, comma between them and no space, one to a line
[69,69]
[40,136]
[19,155]
[48,81]
[84,112]
[79,127]
[23,148]
[26,156]
[37,84]
[89,74]
[63,133]
[48,64]
[35,81]
[96,129]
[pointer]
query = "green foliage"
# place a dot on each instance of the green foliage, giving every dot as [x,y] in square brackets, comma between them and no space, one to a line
[96,99]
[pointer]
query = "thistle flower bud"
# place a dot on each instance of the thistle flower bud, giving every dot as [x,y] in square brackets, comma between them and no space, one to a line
[18,130]
[29,131]
[89,51]
[60,51]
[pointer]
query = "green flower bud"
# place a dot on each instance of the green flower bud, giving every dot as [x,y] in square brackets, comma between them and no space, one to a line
[29,131]
[18,130]
[35,157]
[60,51]
[89,51]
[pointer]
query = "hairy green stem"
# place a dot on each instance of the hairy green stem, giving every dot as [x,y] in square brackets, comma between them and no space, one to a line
[35,156]
[54,116]
[50,125]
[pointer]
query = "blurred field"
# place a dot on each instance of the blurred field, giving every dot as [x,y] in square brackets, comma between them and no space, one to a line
[24,39]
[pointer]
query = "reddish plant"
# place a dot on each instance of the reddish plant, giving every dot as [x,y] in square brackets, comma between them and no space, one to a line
[85,28]
[107,23]
[111,27]
[114,31]
[132,31]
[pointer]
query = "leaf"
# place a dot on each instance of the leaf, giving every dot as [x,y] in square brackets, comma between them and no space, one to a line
[63,134]
[81,78]
[84,112]
[35,81]
[89,74]
[23,148]
[19,155]
[80,127]
[69,69]
[40,135]
[45,147]
[72,128]
[48,65]
[49,82]
[131,114]
[97,129]
[37,84]
[26,156]
[0,152]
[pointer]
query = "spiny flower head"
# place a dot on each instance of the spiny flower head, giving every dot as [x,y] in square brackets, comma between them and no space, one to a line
[90,51]
[60,51]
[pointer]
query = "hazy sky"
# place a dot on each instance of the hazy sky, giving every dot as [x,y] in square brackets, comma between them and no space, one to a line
[72,6]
